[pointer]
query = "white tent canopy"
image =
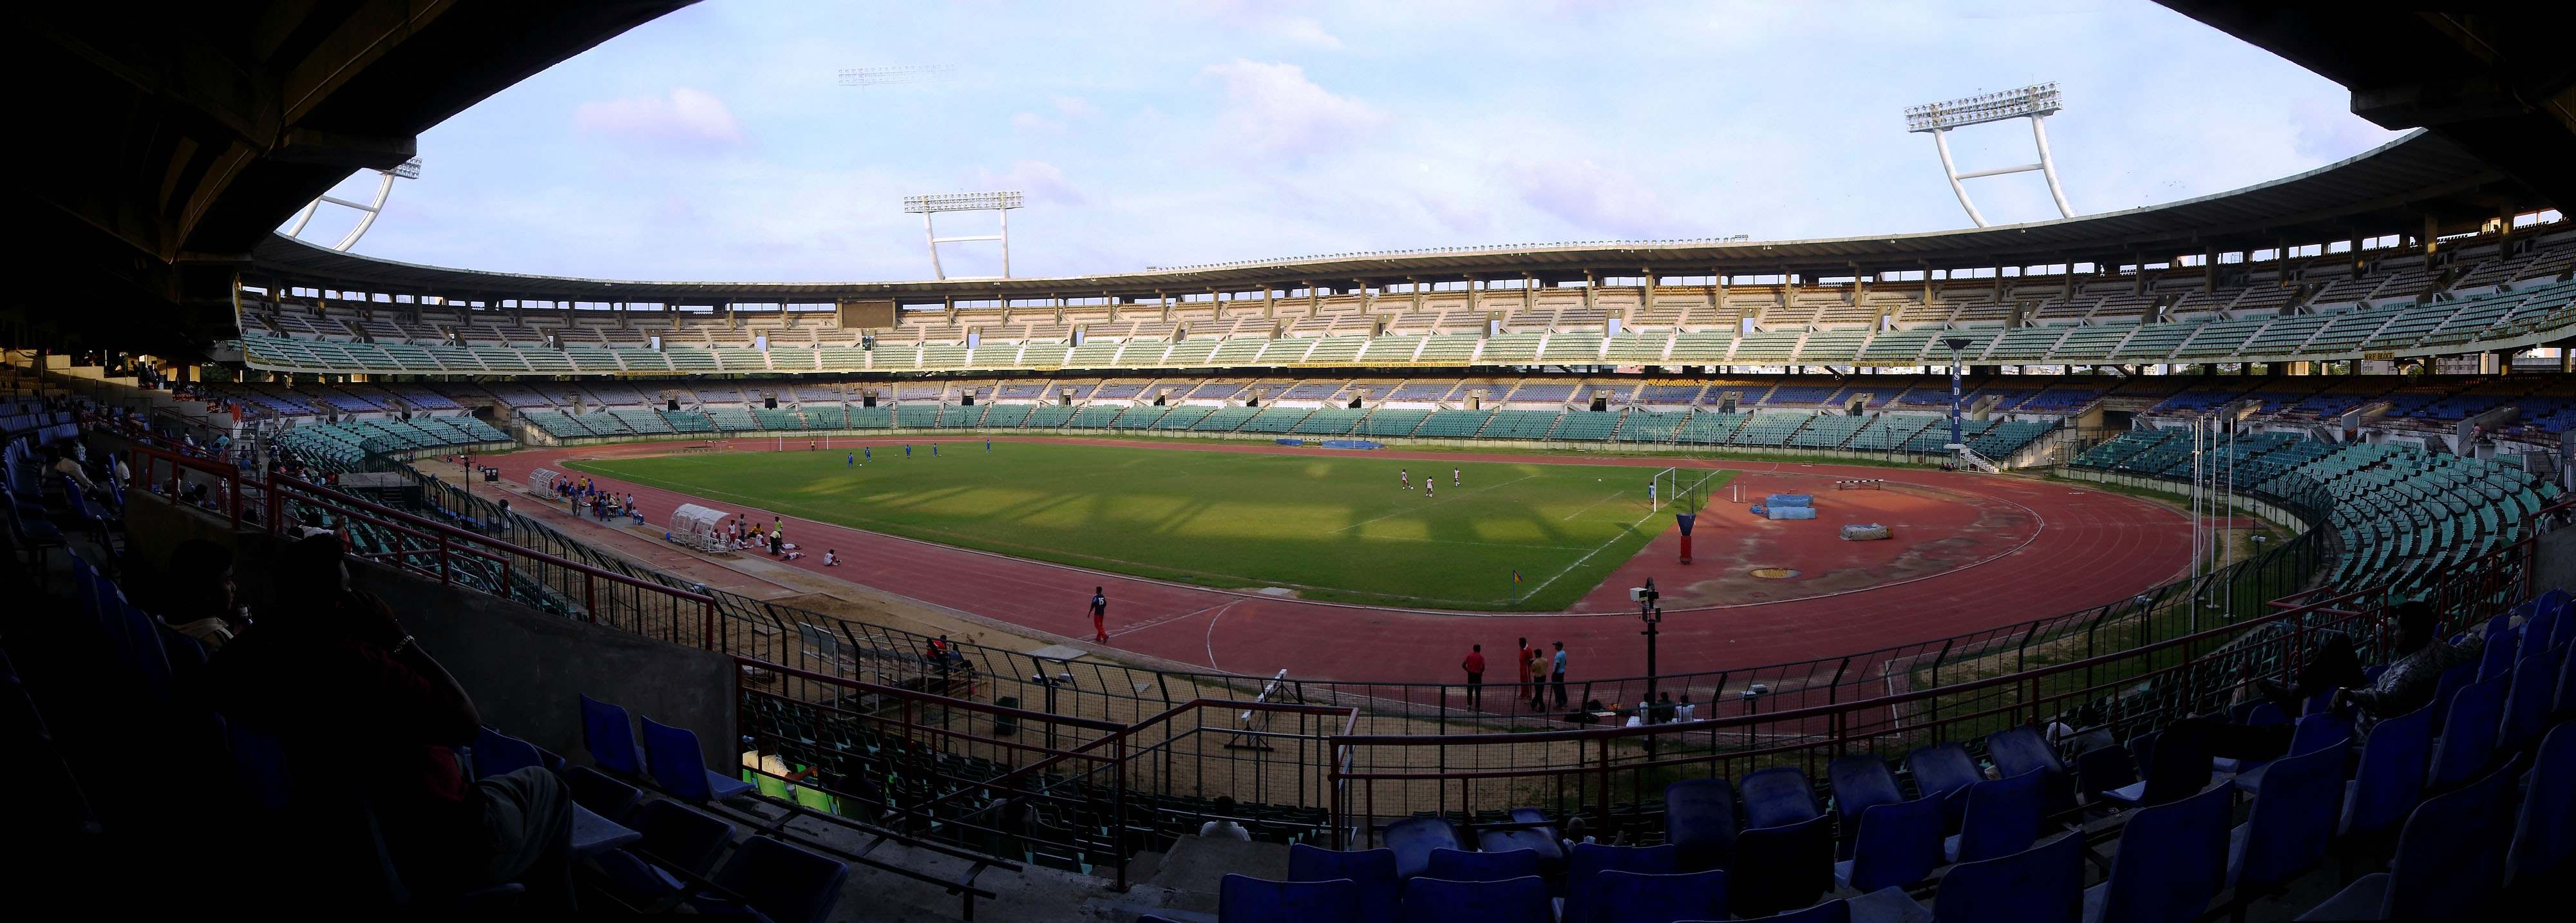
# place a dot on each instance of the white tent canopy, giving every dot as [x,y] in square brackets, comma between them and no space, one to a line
[698,527]
[541,481]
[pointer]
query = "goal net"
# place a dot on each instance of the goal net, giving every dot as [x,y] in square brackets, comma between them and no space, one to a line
[1681,487]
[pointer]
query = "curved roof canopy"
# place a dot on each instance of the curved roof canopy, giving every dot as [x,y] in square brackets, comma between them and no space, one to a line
[2417,183]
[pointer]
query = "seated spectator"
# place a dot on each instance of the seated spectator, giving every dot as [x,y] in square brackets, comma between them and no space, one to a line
[201,594]
[1223,828]
[2408,684]
[1684,710]
[330,671]
[1664,710]
[64,465]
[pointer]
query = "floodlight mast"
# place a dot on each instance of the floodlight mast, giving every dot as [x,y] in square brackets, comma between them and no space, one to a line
[2035,102]
[998,202]
[409,169]
[901,73]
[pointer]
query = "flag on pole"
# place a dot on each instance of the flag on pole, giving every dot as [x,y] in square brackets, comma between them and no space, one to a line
[1516,576]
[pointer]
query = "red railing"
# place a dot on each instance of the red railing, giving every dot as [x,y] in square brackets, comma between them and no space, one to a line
[418,544]
[1580,769]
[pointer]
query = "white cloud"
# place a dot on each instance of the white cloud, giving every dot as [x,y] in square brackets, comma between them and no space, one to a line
[1075,107]
[688,120]
[1035,124]
[1304,30]
[1040,179]
[1262,17]
[1274,109]
[1590,195]
[1464,217]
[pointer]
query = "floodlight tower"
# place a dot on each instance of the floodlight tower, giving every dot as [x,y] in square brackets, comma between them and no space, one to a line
[1956,344]
[409,169]
[997,202]
[901,73]
[2035,102]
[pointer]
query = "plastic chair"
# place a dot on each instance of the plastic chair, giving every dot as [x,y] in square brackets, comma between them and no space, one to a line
[1860,781]
[2003,818]
[1628,897]
[2103,769]
[1541,840]
[1461,865]
[2447,861]
[1699,817]
[2544,832]
[1777,868]
[1431,900]
[2314,733]
[2178,766]
[2450,684]
[2526,708]
[1373,870]
[1942,771]
[2391,778]
[2021,749]
[591,789]
[593,834]
[1591,859]
[496,753]
[1413,839]
[1253,900]
[2170,861]
[1777,797]
[1833,911]
[2497,658]
[785,883]
[1898,845]
[2291,823]
[675,836]
[2042,884]
[609,735]
[681,767]
[2469,734]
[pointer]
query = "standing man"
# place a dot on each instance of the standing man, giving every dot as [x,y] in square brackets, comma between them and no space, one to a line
[1404,478]
[1453,478]
[851,462]
[988,445]
[1099,612]
[907,450]
[1650,493]
[868,452]
[934,450]
[1558,674]
[1430,488]
[1524,661]
[1475,667]
[1538,684]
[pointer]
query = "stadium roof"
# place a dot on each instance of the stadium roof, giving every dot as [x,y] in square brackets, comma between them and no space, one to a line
[2411,185]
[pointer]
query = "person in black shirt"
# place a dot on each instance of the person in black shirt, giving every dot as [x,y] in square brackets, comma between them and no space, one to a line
[1099,615]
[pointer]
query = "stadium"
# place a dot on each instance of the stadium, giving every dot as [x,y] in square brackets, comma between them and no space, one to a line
[2201,558]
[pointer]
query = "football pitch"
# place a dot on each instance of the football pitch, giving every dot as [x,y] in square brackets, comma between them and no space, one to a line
[1330,527]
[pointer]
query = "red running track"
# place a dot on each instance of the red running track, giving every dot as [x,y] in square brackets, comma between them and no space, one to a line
[2025,549]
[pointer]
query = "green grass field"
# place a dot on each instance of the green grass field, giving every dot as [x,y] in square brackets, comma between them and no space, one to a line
[1334,528]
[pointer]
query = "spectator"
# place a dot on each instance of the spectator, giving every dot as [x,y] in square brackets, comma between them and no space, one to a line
[1523,665]
[1538,684]
[1475,667]
[64,465]
[2408,684]
[1665,710]
[201,595]
[1637,718]
[332,672]
[1684,710]
[1556,674]
[1222,828]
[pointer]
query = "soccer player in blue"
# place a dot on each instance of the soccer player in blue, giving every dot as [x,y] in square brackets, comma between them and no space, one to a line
[868,451]
[934,450]
[907,450]
[852,461]
[988,445]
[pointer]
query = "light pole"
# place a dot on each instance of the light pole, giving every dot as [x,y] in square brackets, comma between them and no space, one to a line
[1650,611]
[1956,344]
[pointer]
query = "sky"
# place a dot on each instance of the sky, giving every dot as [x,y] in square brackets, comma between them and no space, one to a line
[717,144]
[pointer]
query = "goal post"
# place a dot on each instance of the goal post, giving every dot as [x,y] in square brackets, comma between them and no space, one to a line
[1663,487]
[1681,487]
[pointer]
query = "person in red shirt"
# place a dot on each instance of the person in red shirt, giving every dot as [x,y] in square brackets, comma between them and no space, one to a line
[1475,667]
[332,674]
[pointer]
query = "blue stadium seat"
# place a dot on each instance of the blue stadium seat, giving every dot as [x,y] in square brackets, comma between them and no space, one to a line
[610,736]
[1777,868]
[2178,765]
[1860,781]
[681,767]
[1833,911]
[785,883]
[2291,824]
[260,762]
[2171,859]
[1373,870]
[1461,865]
[1777,797]
[592,789]
[2103,769]
[2526,709]
[2391,777]
[496,753]
[1699,817]
[2469,735]
[2042,884]
[2452,681]
[2021,749]
[2003,818]
[1414,838]
[1541,840]
[1252,900]
[2544,831]
[1942,772]
[1628,897]
[1590,859]
[2448,861]
[2314,733]
[1431,900]
[1898,845]
[593,834]
[675,837]
[2502,647]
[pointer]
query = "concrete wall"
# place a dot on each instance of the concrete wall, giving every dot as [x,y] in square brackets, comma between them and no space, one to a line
[523,667]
